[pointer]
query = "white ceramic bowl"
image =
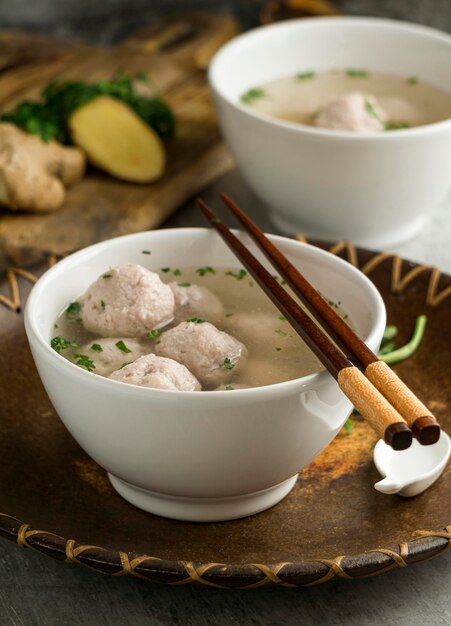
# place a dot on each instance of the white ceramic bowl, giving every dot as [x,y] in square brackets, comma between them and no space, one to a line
[372,188]
[200,456]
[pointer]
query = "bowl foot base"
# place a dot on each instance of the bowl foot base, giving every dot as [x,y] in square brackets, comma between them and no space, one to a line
[202,509]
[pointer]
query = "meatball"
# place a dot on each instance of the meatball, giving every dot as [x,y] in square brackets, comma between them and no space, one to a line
[129,300]
[110,353]
[196,301]
[212,355]
[158,373]
[352,111]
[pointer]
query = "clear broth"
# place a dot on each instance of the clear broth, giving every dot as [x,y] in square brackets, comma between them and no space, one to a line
[276,352]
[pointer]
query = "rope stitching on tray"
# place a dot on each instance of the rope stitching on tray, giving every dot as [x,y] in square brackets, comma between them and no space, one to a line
[398,282]
[195,573]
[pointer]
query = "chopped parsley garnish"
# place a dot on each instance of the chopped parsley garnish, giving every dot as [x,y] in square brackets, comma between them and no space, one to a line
[251,284]
[126,363]
[391,125]
[96,347]
[120,345]
[228,314]
[55,325]
[229,388]
[177,272]
[73,308]
[145,252]
[282,318]
[227,364]
[278,349]
[253,94]
[238,275]
[165,269]
[412,80]
[215,220]
[153,334]
[352,73]
[106,276]
[305,75]
[369,108]
[184,284]
[58,344]
[196,320]
[84,361]
[280,332]
[102,304]
[205,270]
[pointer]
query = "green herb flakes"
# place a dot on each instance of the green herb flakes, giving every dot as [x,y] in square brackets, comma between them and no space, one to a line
[412,80]
[228,314]
[391,125]
[165,270]
[280,332]
[184,284]
[96,347]
[84,361]
[238,275]
[145,252]
[205,270]
[253,94]
[227,364]
[120,345]
[369,108]
[59,343]
[282,318]
[215,220]
[102,304]
[126,363]
[196,320]
[73,309]
[153,334]
[353,73]
[230,388]
[348,426]
[106,276]
[278,349]
[305,75]
[177,272]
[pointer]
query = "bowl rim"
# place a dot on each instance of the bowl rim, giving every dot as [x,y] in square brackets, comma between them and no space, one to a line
[283,388]
[405,134]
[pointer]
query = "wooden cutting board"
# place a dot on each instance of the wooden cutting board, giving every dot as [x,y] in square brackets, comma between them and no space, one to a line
[175,53]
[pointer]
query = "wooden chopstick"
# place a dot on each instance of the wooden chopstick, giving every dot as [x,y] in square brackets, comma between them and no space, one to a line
[423,424]
[372,405]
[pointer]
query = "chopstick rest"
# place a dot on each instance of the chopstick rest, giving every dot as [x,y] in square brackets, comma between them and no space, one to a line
[424,425]
[372,405]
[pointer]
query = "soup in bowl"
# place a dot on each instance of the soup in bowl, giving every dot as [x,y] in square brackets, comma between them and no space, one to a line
[340,125]
[229,445]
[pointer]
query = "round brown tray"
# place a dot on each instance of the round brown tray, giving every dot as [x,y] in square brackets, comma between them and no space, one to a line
[56,500]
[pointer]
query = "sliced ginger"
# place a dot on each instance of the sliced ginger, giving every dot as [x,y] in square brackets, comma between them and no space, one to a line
[116,140]
[34,174]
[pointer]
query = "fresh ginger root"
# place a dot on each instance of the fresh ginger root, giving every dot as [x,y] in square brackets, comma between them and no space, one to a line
[116,140]
[34,174]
